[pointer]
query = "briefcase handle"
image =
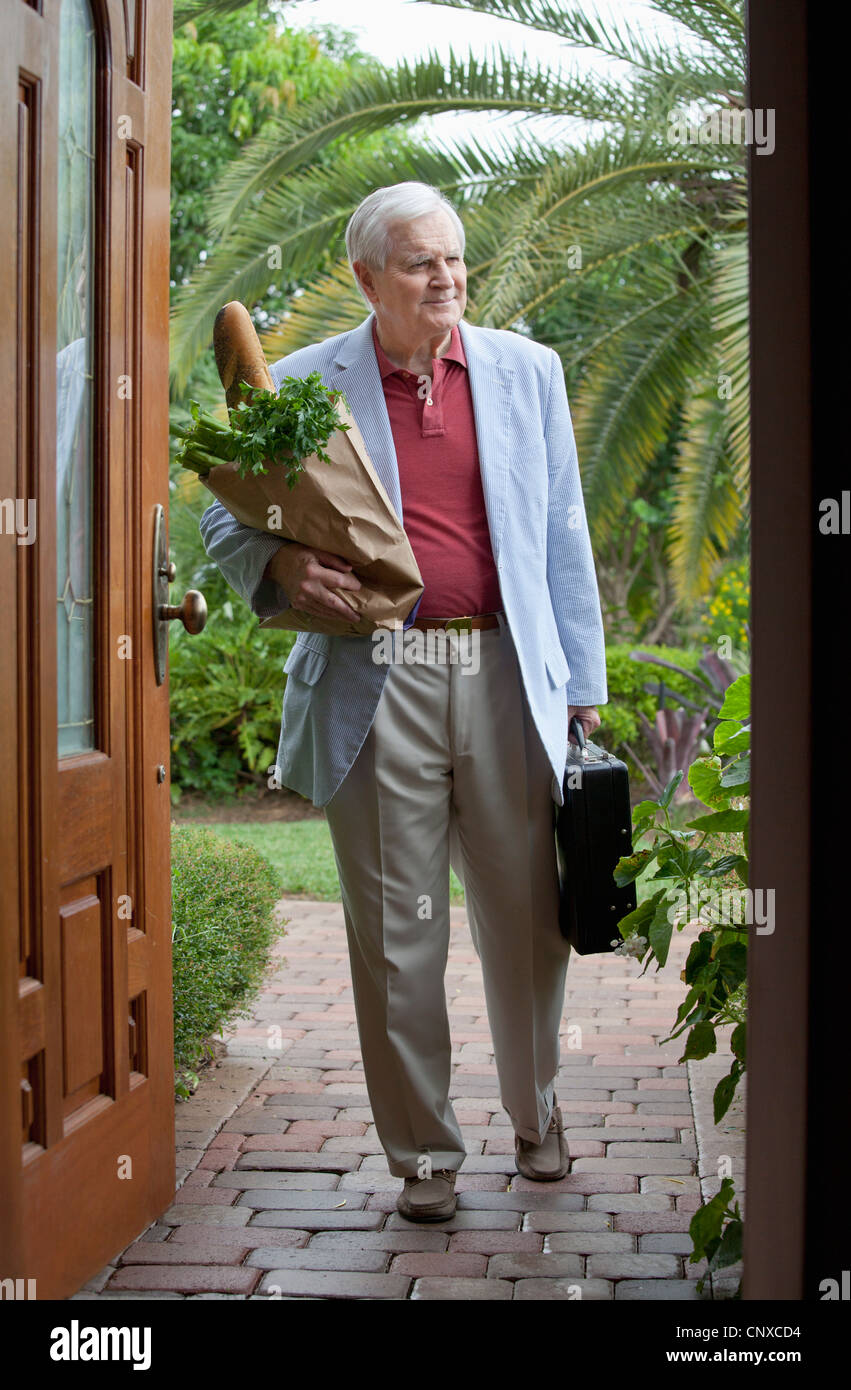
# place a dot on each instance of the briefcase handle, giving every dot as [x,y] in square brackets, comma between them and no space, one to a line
[577,729]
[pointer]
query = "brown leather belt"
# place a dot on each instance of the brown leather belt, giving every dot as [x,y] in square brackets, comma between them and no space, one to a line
[481,620]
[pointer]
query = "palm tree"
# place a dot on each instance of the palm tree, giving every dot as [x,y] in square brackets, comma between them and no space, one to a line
[621,248]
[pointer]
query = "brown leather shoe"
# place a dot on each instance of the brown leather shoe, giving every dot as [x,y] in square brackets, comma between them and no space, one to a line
[549,1160]
[429,1199]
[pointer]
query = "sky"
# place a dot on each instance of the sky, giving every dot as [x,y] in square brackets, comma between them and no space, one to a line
[394,29]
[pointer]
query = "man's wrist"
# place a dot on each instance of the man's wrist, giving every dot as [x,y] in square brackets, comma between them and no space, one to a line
[268,572]
[270,597]
[276,571]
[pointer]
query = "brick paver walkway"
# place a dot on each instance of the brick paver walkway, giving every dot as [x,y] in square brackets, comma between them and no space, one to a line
[284,1189]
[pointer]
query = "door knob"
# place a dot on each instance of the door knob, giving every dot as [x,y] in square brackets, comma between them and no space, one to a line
[192,612]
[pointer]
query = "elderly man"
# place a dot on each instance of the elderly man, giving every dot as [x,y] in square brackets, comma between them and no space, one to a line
[434,761]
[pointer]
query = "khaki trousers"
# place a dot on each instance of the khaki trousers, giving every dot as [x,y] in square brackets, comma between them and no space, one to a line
[451,771]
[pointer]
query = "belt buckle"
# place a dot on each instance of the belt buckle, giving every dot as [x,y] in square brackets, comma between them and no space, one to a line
[460,625]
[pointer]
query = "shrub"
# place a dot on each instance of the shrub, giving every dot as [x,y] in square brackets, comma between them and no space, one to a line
[226,691]
[223,929]
[728,613]
[226,684]
[627,696]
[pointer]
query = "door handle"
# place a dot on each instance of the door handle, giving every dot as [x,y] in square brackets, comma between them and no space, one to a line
[192,611]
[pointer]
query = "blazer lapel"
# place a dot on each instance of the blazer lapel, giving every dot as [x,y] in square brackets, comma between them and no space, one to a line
[355,373]
[491,388]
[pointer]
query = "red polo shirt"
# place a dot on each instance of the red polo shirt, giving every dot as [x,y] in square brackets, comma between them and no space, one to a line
[443,505]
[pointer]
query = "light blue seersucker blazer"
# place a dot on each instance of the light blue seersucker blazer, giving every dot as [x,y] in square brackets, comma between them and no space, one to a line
[539,535]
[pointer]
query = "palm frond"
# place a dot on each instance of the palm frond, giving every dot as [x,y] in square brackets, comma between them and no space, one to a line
[329,305]
[399,96]
[716,24]
[580,201]
[590,329]
[302,218]
[708,510]
[627,398]
[731,313]
[185,10]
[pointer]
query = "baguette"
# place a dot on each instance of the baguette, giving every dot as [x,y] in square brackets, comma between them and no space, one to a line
[239,356]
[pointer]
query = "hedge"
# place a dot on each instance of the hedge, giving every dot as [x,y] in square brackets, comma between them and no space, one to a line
[223,930]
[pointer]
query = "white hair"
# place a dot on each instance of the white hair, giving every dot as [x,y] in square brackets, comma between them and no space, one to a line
[368,237]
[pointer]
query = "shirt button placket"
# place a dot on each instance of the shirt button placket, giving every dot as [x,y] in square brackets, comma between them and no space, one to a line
[430,396]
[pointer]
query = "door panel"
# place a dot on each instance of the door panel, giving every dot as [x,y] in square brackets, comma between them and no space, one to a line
[86,1099]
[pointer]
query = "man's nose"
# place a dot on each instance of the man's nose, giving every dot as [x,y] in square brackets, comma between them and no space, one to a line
[442,274]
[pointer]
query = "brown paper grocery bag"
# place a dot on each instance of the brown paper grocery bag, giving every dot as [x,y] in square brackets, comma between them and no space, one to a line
[341,507]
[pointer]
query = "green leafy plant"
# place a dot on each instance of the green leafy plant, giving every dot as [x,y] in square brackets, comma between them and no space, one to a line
[225,706]
[699,870]
[717,1232]
[728,612]
[709,679]
[223,929]
[266,427]
[675,736]
[186,1082]
[631,695]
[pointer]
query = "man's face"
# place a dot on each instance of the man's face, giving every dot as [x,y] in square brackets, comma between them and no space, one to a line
[422,291]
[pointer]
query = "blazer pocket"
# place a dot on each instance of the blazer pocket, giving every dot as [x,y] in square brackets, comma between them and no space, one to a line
[557,667]
[306,664]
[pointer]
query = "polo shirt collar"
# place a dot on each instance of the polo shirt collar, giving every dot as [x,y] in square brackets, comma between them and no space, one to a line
[455,351]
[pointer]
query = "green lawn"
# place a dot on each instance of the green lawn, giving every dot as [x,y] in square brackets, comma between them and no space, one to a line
[301,852]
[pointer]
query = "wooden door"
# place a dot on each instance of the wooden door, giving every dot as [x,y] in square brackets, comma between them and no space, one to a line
[86,1100]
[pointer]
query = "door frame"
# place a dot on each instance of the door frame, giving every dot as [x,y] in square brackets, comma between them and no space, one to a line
[64,1198]
[795,1222]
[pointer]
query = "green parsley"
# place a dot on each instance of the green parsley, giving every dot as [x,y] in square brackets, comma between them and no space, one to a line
[267,427]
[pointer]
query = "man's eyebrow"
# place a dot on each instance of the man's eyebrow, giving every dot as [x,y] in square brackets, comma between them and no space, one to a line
[417,255]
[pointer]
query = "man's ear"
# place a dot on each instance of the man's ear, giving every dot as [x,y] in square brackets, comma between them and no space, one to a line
[365,280]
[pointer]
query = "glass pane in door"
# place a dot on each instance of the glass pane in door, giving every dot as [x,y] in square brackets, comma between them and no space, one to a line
[74,379]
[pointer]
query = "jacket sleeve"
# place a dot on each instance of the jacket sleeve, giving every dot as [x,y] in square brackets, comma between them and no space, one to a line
[242,554]
[571,576]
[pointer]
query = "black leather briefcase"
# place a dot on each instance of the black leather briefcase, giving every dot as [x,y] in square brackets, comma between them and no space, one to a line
[593,830]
